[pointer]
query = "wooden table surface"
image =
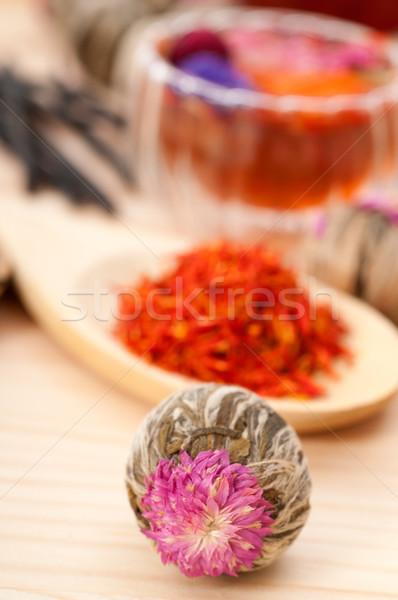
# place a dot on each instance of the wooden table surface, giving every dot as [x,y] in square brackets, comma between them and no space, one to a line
[67,531]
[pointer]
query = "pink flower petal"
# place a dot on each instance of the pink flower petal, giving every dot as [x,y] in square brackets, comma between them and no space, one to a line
[206,515]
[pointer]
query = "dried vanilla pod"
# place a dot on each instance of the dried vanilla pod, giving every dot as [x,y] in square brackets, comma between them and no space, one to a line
[218,480]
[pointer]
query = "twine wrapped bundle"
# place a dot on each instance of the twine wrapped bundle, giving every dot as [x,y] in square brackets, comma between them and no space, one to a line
[97,27]
[211,417]
[357,253]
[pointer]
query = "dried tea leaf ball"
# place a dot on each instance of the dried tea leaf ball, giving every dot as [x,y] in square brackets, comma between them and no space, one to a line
[218,480]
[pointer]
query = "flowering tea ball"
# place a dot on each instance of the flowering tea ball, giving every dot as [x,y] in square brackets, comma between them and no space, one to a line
[218,480]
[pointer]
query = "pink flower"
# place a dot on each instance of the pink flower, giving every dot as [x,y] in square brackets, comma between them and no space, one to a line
[207,515]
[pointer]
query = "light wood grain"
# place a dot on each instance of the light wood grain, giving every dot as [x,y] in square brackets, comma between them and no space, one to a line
[359,390]
[67,532]
[67,262]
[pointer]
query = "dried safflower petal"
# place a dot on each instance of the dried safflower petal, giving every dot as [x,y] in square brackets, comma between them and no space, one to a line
[220,329]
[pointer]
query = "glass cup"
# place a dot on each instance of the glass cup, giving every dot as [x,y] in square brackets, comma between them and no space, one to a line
[237,161]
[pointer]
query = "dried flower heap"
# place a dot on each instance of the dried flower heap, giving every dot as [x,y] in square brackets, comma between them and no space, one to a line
[218,481]
[233,315]
[207,515]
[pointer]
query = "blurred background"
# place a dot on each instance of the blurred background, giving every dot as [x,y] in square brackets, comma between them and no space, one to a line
[292,136]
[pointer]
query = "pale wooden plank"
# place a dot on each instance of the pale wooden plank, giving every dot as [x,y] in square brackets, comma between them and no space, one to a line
[67,532]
